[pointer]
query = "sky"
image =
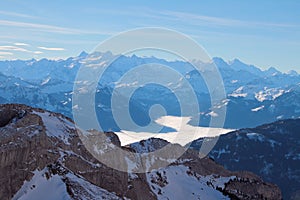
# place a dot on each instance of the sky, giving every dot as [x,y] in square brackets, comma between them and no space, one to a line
[263,33]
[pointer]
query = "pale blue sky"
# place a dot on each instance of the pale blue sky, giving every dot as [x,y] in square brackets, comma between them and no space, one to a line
[263,33]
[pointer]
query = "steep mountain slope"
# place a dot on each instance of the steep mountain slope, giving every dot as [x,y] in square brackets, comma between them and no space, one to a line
[43,157]
[272,151]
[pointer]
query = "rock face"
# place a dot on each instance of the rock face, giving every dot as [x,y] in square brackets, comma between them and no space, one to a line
[42,157]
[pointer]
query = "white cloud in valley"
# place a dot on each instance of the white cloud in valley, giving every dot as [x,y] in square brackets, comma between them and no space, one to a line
[52,48]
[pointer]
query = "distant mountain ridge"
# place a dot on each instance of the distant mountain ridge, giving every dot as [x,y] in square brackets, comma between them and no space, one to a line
[261,96]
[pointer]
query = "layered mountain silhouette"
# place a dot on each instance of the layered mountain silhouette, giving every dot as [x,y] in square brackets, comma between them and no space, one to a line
[260,96]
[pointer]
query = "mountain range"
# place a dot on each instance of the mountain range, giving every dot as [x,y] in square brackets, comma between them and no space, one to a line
[46,150]
[260,96]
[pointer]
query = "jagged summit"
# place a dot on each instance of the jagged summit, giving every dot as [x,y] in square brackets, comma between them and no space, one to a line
[83,54]
[272,71]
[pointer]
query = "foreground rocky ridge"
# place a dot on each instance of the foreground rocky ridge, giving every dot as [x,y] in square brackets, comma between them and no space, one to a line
[40,149]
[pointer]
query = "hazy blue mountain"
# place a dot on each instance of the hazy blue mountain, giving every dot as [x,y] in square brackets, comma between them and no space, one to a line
[259,96]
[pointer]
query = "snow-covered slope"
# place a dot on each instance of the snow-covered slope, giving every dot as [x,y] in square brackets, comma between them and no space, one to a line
[41,184]
[50,184]
[186,184]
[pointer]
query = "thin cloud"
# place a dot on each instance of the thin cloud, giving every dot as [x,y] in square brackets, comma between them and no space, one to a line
[198,19]
[13,48]
[50,28]
[38,52]
[15,14]
[52,48]
[5,53]
[21,44]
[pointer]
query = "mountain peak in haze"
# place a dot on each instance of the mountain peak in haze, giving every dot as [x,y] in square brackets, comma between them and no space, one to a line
[83,54]
[219,61]
[236,61]
[292,72]
[238,65]
[272,71]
